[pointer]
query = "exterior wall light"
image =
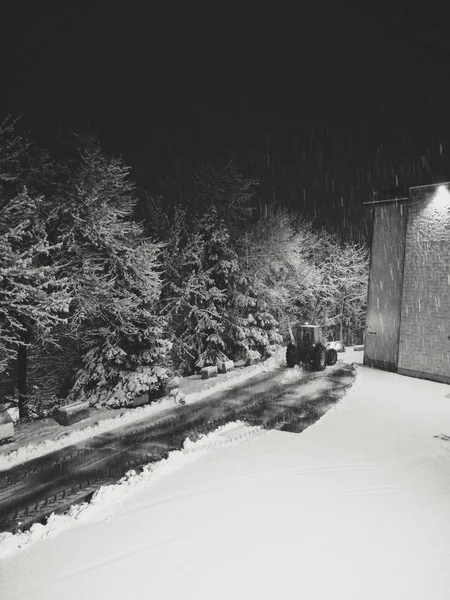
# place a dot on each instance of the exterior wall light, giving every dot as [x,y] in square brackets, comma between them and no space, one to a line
[441,198]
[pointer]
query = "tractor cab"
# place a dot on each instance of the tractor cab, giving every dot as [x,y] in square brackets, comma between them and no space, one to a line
[306,335]
[307,347]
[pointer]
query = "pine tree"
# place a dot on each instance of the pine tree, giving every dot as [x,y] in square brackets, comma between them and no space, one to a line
[198,265]
[115,274]
[34,296]
[198,188]
[13,148]
[208,208]
[214,307]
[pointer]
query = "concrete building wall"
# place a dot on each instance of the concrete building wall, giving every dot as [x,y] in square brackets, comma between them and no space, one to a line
[385,285]
[424,341]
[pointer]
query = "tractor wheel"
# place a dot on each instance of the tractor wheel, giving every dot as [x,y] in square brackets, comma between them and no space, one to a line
[331,356]
[320,359]
[291,356]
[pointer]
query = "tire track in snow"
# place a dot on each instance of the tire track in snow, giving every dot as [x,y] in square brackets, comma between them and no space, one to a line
[267,399]
[108,498]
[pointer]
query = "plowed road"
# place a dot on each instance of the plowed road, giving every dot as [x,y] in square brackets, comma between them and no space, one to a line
[283,399]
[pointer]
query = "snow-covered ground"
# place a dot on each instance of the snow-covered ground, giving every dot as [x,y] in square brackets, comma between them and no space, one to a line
[45,436]
[357,506]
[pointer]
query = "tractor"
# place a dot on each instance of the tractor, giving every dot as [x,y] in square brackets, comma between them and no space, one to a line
[307,347]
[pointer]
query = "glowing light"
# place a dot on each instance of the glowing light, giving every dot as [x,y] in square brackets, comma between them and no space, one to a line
[442,197]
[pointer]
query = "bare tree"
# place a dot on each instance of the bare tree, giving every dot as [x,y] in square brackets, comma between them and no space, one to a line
[341,300]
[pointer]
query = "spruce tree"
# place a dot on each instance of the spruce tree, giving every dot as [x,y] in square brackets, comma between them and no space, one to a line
[199,262]
[116,280]
[34,296]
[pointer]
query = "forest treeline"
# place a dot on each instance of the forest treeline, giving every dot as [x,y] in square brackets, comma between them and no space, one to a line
[106,291]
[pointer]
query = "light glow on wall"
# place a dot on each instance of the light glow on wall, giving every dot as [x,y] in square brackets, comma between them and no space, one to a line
[441,199]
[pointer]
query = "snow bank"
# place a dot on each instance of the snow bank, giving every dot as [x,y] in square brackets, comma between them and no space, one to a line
[13,413]
[233,378]
[106,500]
[357,506]
[34,450]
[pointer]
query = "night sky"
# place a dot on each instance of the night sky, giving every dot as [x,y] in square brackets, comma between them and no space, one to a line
[322,105]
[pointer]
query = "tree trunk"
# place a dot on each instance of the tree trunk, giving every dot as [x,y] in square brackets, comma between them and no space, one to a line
[22,377]
[341,322]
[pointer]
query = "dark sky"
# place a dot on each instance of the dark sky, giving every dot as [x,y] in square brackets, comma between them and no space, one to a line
[348,93]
